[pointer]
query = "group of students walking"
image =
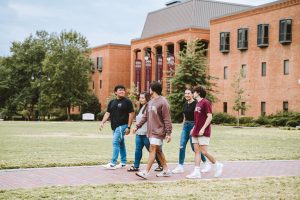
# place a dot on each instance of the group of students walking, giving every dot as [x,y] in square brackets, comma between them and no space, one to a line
[153,125]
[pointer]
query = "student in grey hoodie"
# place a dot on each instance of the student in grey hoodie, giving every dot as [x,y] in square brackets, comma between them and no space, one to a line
[141,139]
[159,127]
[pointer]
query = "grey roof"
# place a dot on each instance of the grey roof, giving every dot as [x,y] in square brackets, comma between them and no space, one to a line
[189,14]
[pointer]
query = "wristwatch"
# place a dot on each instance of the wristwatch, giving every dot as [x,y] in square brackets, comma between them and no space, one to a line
[128,127]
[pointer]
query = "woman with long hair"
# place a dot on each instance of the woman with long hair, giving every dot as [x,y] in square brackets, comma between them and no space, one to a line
[141,139]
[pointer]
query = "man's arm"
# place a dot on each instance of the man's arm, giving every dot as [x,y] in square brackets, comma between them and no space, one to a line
[105,118]
[206,124]
[166,117]
[130,119]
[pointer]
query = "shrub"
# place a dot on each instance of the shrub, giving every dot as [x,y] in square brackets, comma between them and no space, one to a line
[221,118]
[251,124]
[262,120]
[246,120]
[292,123]
[280,121]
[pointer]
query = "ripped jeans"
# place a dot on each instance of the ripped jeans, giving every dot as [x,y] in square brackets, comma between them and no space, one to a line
[185,137]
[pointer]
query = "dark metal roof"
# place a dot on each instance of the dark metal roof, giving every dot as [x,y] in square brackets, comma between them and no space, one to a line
[189,14]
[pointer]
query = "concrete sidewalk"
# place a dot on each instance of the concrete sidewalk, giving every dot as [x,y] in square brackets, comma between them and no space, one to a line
[83,175]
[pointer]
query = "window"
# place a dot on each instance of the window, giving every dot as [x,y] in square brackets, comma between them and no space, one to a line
[99,64]
[242,39]
[225,107]
[263,108]
[224,42]
[225,72]
[285,31]
[243,71]
[286,67]
[263,35]
[285,106]
[100,84]
[263,69]
[243,108]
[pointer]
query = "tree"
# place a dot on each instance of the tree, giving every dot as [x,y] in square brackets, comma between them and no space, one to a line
[191,71]
[238,91]
[92,105]
[20,92]
[69,68]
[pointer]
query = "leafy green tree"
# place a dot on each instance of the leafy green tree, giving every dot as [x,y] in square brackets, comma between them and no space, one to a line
[238,106]
[69,68]
[20,91]
[190,72]
[91,105]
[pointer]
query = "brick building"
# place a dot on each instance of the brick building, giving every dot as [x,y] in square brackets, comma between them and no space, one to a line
[264,44]
[111,67]
[262,41]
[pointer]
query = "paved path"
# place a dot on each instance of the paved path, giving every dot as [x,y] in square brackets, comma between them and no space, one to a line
[82,175]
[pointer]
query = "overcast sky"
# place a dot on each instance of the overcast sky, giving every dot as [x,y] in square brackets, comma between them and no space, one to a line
[100,21]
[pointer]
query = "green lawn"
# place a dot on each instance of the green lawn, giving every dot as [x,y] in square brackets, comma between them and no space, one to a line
[256,188]
[41,144]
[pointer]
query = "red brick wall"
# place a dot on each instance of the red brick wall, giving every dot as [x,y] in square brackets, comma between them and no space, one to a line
[116,70]
[275,87]
[162,40]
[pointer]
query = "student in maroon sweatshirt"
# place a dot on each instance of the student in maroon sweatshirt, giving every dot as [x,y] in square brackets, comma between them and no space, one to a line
[201,133]
[159,127]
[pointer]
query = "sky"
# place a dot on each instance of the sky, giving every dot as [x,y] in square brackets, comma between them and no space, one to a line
[100,21]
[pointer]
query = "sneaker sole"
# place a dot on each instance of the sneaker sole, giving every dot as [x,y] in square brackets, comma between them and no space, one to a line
[140,176]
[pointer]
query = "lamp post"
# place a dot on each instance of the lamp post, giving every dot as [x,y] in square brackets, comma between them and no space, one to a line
[39,78]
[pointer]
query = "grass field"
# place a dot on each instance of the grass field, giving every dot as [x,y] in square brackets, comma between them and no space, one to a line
[258,188]
[41,144]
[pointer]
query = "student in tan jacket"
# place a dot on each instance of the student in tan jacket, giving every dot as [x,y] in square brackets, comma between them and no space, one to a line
[159,127]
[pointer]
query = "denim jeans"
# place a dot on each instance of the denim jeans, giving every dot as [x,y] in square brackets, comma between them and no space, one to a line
[118,143]
[140,142]
[185,137]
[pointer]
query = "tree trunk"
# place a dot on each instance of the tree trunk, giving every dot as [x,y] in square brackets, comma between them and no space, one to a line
[68,113]
[238,118]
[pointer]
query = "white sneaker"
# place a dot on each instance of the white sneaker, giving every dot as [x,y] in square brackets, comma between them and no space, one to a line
[142,174]
[110,166]
[194,175]
[121,165]
[218,169]
[205,167]
[178,170]
[164,174]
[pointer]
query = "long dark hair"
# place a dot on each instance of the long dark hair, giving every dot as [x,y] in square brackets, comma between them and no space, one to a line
[147,97]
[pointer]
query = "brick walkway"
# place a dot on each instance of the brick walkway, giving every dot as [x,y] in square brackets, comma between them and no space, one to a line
[59,176]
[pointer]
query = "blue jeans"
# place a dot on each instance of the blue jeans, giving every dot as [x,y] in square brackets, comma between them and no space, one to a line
[140,142]
[185,137]
[118,143]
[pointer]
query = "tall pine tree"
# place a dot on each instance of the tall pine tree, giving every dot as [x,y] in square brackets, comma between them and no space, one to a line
[190,72]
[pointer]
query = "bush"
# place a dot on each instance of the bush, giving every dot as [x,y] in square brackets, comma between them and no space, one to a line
[246,120]
[292,123]
[222,118]
[281,121]
[251,124]
[262,120]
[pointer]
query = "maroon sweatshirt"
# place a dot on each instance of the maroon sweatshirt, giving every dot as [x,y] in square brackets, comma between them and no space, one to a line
[158,118]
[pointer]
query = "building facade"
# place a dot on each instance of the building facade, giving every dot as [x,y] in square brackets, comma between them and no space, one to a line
[165,33]
[263,45]
[111,68]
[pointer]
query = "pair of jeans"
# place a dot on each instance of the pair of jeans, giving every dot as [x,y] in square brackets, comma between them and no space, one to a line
[185,137]
[140,142]
[118,143]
